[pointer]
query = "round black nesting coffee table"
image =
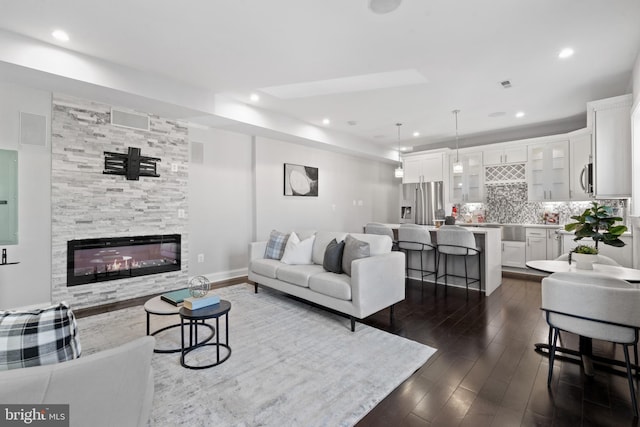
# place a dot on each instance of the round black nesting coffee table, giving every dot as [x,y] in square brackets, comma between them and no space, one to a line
[200,315]
[158,307]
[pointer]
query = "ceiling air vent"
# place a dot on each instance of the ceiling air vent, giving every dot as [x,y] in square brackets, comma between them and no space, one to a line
[506,84]
[129,119]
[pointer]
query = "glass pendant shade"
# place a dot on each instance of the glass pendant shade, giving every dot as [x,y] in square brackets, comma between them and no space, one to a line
[458,168]
[399,173]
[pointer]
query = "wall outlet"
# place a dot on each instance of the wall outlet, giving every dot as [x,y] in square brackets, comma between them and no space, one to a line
[174,167]
[180,213]
[200,257]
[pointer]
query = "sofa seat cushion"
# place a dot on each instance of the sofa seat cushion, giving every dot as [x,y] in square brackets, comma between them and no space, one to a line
[266,267]
[298,274]
[331,284]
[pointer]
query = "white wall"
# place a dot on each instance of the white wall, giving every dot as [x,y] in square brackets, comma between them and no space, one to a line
[342,180]
[29,282]
[235,196]
[220,204]
[635,162]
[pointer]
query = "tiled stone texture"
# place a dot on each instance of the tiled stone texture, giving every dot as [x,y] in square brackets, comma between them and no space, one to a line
[507,204]
[86,203]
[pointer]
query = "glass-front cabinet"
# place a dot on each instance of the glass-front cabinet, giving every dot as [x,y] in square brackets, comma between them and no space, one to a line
[549,171]
[467,186]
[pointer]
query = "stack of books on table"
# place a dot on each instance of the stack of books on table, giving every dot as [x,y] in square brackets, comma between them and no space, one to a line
[175,297]
[195,303]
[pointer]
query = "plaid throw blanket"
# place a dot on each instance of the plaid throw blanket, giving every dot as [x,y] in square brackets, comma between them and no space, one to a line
[38,337]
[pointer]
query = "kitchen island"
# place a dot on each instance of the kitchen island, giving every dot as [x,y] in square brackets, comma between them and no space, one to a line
[489,240]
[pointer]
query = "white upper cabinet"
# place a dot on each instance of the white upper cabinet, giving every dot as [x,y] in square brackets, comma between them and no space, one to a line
[423,167]
[548,171]
[468,186]
[505,155]
[611,121]
[580,155]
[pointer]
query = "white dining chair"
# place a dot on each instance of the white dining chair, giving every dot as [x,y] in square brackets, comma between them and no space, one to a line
[596,307]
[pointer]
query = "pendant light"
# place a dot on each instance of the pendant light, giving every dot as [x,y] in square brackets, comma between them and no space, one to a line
[399,173]
[457,165]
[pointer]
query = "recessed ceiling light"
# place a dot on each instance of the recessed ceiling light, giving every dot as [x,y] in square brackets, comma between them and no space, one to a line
[60,35]
[383,6]
[520,114]
[254,97]
[497,114]
[326,121]
[565,53]
[416,134]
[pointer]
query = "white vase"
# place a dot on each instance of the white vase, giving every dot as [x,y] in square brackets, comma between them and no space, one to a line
[584,261]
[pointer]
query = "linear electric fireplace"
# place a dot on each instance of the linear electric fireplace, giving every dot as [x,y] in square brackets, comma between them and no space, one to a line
[98,260]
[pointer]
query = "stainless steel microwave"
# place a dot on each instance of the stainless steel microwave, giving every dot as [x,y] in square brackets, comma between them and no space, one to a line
[586,178]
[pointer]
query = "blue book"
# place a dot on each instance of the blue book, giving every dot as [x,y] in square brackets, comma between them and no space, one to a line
[205,301]
[175,297]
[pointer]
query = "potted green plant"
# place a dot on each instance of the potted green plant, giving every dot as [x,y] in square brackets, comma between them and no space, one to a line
[585,256]
[597,223]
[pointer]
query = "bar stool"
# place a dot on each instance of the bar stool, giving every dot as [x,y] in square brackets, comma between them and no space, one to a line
[414,238]
[458,241]
[384,230]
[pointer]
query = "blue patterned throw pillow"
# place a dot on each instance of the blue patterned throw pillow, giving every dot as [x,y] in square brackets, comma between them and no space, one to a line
[38,337]
[275,245]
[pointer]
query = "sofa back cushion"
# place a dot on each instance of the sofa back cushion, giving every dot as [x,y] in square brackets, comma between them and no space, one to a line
[38,337]
[378,244]
[322,240]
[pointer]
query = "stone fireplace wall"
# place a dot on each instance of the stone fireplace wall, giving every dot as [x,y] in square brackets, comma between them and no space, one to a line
[86,203]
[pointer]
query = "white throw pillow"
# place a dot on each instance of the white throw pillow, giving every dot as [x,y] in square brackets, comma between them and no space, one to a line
[298,252]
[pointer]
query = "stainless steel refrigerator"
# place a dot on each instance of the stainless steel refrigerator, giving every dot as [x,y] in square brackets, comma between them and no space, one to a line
[422,203]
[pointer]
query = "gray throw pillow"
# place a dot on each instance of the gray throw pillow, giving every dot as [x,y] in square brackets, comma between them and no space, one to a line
[353,249]
[333,257]
[275,245]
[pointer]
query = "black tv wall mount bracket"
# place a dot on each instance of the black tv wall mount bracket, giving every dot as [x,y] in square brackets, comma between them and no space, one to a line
[132,165]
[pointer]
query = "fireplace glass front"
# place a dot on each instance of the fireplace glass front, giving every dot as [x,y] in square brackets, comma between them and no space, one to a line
[98,260]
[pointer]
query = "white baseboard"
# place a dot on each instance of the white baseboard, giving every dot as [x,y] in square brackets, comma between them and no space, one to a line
[226,275]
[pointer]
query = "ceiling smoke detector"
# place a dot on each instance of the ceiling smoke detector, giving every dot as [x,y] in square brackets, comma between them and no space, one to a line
[384,6]
[506,84]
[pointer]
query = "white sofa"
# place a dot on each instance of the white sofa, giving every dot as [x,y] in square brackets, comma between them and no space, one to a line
[113,387]
[376,282]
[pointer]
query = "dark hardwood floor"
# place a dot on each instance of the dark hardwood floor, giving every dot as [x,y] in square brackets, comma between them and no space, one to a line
[486,372]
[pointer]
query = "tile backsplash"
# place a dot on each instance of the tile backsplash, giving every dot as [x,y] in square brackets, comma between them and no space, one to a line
[507,203]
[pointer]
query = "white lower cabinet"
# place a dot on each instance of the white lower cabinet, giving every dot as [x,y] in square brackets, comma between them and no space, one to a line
[536,243]
[513,254]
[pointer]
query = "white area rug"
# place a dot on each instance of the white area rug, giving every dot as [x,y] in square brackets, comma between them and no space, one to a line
[291,364]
